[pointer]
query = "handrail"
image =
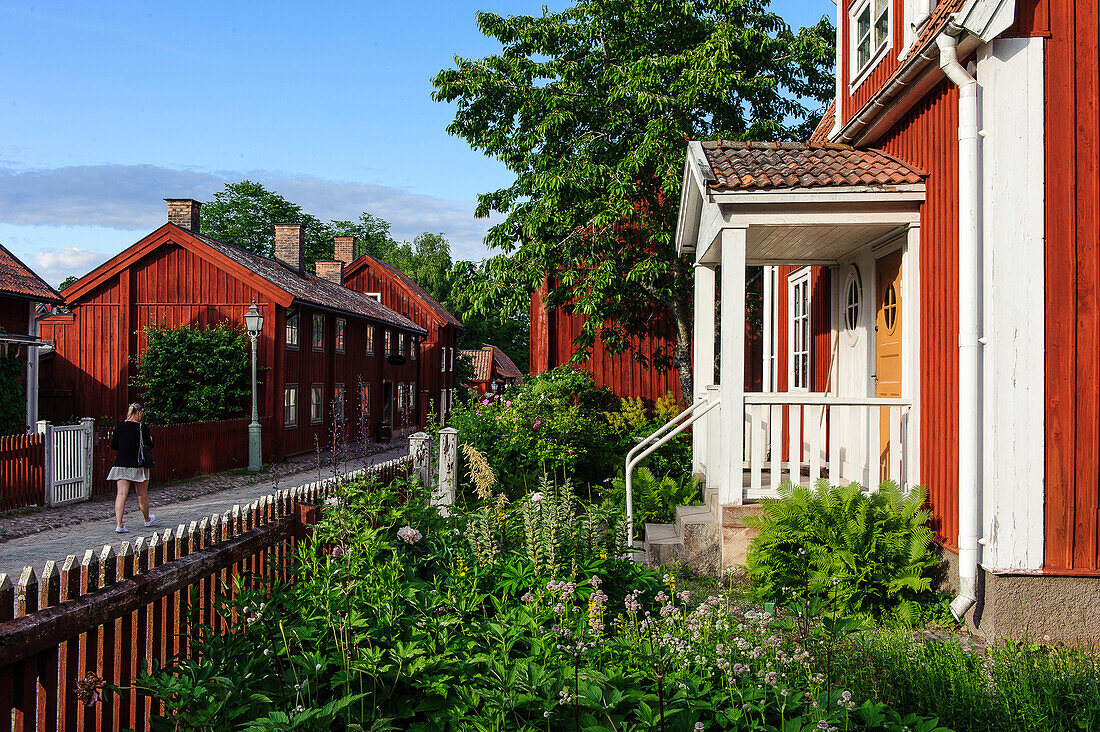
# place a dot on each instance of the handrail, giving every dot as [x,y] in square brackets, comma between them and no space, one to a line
[632,460]
[818,399]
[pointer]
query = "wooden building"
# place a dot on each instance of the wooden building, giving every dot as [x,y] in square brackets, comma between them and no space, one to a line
[400,293]
[932,255]
[324,349]
[493,370]
[21,292]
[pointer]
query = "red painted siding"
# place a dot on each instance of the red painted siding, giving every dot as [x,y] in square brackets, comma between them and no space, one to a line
[853,100]
[1072,257]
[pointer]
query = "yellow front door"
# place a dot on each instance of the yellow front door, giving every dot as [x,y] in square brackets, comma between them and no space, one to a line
[887,346]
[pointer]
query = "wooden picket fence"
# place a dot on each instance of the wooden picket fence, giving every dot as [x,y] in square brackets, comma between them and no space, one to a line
[111,614]
[22,462]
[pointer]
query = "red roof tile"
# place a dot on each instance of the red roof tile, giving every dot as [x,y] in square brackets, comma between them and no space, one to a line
[825,126]
[17,280]
[490,358]
[783,165]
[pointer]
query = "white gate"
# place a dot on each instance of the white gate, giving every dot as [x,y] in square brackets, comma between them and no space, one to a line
[69,463]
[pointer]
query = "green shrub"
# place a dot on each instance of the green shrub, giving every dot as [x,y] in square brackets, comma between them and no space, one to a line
[867,552]
[655,499]
[194,374]
[13,402]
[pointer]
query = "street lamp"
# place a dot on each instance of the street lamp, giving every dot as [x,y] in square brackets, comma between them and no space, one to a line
[254,323]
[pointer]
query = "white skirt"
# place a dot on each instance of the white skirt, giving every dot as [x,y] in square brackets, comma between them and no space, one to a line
[136,475]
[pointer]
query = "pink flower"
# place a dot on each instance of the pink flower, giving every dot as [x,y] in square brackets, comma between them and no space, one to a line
[507,404]
[409,535]
[515,429]
[537,423]
[498,418]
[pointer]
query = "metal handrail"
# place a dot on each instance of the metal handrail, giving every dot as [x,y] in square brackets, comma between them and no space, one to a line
[651,443]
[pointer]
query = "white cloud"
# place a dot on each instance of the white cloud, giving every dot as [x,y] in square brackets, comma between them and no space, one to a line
[54,265]
[128,197]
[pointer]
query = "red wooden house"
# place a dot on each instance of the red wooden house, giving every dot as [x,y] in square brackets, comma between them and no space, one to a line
[932,256]
[493,370]
[21,290]
[397,291]
[324,349]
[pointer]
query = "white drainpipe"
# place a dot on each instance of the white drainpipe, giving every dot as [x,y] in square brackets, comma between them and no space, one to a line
[970,306]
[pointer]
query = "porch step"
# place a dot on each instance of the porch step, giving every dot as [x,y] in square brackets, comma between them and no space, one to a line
[693,540]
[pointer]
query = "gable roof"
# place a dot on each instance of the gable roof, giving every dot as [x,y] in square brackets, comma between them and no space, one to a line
[18,280]
[284,285]
[742,166]
[488,359]
[820,135]
[410,286]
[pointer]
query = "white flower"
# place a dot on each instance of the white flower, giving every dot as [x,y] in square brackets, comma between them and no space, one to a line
[409,535]
[536,497]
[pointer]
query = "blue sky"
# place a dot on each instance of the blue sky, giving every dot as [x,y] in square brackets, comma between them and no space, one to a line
[110,107]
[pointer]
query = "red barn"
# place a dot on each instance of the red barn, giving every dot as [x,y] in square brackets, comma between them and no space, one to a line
[398,292]
[931,256]
[21,290]
[322,344]
[493,370]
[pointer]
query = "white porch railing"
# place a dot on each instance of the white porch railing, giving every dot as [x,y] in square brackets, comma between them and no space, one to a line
[801,437]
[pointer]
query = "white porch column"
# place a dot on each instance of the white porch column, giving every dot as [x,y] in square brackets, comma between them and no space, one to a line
[734,244]
[702,361]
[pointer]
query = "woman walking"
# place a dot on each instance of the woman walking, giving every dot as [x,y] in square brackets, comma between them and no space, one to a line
[133,460]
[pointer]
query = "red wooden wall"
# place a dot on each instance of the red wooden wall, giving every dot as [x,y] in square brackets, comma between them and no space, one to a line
[1072,280]
[442,335]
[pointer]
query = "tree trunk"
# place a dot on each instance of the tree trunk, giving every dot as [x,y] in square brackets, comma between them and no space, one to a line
[681,312]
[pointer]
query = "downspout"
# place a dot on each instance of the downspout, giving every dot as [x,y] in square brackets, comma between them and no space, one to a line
[970,283]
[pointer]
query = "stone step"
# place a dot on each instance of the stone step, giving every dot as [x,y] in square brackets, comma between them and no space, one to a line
[662,545]
[693,515]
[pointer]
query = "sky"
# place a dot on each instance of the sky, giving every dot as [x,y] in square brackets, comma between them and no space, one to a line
[108,108]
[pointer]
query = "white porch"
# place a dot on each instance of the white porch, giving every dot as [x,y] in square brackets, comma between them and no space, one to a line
[838,421]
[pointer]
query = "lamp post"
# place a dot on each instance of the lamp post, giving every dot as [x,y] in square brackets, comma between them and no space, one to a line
[254,324]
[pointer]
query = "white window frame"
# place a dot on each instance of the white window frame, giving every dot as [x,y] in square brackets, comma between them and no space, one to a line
[340,331]
[797,282]
[292,330]
[370,340]
[290,406]
[443,359]
[316,405]
[857,73]
[339,395]
[317,318]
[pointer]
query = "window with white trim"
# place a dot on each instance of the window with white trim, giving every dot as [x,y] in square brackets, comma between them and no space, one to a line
[341,326]
[317,403]
[869,34]
[292,330]
[338,396]
[443,359]
[290,406]
[370,340]
[798,365]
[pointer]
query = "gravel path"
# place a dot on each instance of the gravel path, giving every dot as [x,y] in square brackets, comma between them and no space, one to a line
[54,533]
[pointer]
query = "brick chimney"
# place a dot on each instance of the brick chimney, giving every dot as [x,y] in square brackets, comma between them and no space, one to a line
[184,213]
[290,246]
[331,270]
[345,249]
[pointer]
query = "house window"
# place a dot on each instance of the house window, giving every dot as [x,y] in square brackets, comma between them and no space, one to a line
[800,331]
[318,332]
[292,330]
[317,403]
[364,399]
[414,346]
[341,324]
[443,359]
[853,298]
[890,307]
[389,342]
[290,406]
[370,340]
[338,403]
[400,344]
[869,26]
[400,398]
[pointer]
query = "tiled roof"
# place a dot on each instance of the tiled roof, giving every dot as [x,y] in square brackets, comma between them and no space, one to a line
[311,289]
[17,280]
[482,359]
[416,289]
[505,366]
[490,358]
[782,165]
[825,126]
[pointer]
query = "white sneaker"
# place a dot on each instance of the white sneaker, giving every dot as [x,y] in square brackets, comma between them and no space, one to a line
[121,530]
[152,520]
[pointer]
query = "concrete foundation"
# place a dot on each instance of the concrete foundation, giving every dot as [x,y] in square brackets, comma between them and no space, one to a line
[1039,608]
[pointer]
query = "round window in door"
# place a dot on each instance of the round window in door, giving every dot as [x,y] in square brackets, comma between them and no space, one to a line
[853,302]
[890,307]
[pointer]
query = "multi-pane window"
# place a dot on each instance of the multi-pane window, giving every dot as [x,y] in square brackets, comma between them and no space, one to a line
[370,340]
[443,359]
[338,403]
[452,358]
[400,344]
[852,302]
[800,332]
[414,346]
[364,399]
[388,338]
[400,398]
[290,406]
[292,330]
[317,403]
[341,325]
[871,32]
[318,332]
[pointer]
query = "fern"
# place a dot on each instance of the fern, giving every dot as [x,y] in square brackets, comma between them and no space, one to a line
[869,553]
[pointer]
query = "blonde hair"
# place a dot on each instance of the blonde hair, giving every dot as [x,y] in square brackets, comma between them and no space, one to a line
[133,409]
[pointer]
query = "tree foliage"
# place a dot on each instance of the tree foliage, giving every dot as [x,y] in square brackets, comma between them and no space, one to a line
[590,107]
[66,282]
[492,308]
[13,400]
[194,374]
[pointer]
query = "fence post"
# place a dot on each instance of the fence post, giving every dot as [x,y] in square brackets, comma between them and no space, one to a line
[46,430]
[444,494]
[421,454]
[87,427]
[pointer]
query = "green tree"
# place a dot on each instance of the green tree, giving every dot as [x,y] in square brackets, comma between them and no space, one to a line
[372,234]
[492,308]
[426,260]
[194,374]
[244,214]
[590,107]
[66,282]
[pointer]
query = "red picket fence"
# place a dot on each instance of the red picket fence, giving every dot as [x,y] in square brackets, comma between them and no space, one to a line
[22,479]
[111,615]
[184,450]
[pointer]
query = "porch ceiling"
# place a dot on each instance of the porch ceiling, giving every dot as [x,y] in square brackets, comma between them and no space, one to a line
[812,244]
